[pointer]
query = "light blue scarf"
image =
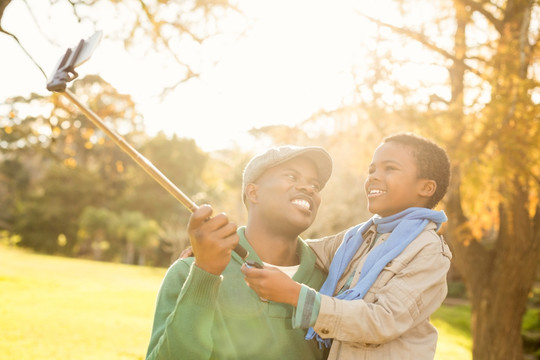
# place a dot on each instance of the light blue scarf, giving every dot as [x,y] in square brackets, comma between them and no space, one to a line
[404,227]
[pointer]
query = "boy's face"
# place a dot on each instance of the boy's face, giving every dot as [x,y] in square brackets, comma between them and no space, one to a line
[392,185]
[288,194]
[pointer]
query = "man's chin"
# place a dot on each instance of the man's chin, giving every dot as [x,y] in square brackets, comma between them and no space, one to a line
[302,226]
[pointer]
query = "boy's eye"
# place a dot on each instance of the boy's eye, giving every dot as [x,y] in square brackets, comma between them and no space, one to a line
[316,187]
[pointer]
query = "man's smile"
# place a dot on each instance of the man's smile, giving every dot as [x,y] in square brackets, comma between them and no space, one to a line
[303,202]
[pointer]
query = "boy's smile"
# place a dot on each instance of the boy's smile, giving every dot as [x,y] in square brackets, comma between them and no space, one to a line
[393,185]
[375,192]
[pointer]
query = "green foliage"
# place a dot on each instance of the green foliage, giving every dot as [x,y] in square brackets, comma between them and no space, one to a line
[13,187]
[531,320]
[457,289]
[55,208]
[138,235]
[181,161]
[57,164]
[531,332]
[94,224]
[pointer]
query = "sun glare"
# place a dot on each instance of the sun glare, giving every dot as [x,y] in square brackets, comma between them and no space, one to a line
[293,60]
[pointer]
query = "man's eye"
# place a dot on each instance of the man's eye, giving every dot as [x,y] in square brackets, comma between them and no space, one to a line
[316,187]
[291,176]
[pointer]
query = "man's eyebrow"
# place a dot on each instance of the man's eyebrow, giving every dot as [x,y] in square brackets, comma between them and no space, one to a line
[315,178]
[291,169]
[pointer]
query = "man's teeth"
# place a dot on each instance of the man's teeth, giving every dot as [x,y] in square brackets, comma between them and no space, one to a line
[376,192]
[302,203]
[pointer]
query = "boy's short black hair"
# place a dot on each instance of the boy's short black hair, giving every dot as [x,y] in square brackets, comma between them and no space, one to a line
[432,162]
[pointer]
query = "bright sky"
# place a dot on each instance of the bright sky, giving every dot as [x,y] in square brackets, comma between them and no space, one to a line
[295,60]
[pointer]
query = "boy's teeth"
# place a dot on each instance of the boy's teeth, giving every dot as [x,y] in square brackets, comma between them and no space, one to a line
[376,191]
[302,203]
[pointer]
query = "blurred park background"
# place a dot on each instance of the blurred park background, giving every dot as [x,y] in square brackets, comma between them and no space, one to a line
[198,87]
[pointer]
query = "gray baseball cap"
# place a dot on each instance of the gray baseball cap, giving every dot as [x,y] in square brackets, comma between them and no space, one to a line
[278,155]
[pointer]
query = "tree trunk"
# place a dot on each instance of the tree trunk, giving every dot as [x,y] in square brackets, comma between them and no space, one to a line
[499,276]
[130,253]
[3,6]
[499,271]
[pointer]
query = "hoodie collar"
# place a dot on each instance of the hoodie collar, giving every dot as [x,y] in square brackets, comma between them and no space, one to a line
[307,258]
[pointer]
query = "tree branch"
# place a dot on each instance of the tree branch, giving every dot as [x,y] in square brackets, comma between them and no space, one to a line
[23,49]
[475,6]
[36,22]
[157,28]
[168,89]
[3,6]
[75,12]
[421,38]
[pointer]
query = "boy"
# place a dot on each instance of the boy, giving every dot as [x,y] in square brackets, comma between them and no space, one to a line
[386,276]
[205,309]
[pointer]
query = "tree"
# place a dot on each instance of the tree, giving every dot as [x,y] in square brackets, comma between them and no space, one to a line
[58,164]
[174,29]
[497,254]
[486,113]
[94,225]
[181,161]
[137,234]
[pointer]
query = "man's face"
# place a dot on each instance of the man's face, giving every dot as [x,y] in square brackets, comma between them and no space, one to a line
[392,184]
[288,194]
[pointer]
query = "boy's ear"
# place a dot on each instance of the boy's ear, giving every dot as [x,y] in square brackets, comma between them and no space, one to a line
[428,187]
[251,192]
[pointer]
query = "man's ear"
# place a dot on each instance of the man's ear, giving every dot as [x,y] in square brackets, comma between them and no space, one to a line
[251,192]
[428,187]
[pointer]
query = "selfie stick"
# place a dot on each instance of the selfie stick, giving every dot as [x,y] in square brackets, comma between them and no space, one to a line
[65,72]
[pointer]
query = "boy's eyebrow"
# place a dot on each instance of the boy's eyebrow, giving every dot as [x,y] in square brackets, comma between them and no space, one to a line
[386,162]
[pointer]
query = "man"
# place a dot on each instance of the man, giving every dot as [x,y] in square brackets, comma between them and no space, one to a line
[204,308]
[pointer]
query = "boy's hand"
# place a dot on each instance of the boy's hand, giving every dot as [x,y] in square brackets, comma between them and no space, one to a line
[272,284]
[187,252]
[212,239]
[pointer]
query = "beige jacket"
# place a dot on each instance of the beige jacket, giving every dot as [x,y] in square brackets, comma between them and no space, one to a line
[392,320]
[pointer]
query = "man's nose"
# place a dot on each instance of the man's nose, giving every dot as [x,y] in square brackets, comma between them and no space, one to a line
[306,187]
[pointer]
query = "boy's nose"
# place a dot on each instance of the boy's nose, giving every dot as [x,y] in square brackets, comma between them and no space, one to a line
[373,175]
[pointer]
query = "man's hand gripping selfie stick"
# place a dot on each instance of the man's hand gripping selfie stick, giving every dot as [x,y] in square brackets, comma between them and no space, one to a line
[65,72]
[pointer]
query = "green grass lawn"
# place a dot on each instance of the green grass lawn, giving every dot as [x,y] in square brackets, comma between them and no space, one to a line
[453,324]
[57,308]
